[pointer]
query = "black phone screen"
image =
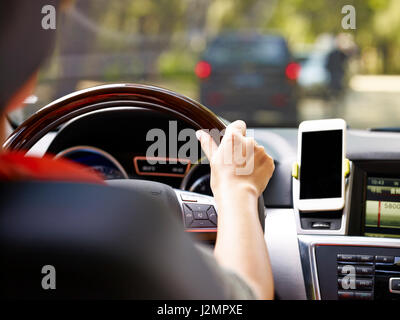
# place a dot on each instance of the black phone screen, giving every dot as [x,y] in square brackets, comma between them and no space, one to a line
[321,164]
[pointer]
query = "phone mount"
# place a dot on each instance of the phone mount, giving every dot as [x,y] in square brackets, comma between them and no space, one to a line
[296,169]
[321,222]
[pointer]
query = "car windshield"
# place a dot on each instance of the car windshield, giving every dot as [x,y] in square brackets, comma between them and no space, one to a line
[268,62]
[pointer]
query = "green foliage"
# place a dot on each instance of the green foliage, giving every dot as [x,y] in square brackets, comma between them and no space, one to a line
[159,32]
[377,28]
[176,63]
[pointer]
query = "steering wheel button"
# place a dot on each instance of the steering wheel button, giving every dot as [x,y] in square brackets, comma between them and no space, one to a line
[198,207]
[211,210]
[188,216]
[188,219]
[202,224]
[213,218]
[188,197]
[186,209]
[200,215]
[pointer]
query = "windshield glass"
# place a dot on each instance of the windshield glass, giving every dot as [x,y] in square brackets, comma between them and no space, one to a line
[268,62]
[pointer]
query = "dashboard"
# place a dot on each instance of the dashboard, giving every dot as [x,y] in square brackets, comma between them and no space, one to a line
[308,250]
[109,144]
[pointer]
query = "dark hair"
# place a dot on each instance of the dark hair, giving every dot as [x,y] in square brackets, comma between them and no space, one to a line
[24,43]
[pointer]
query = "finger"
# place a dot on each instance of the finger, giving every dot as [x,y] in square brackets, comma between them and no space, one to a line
[234,133]
[238,125]
[249,147]
[207,143]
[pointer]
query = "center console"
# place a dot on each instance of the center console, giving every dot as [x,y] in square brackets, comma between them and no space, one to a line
[350,268]
[354,253]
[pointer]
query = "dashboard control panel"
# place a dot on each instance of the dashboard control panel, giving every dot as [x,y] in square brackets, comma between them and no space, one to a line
[362,268]
[358,273]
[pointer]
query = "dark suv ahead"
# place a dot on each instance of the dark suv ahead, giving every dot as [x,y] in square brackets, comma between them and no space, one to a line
[250,77]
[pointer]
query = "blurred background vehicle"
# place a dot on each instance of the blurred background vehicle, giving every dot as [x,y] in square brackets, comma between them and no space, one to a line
[164,42]
[251,77]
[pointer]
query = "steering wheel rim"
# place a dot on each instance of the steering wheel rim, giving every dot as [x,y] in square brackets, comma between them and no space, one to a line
[102,97]
[80,102]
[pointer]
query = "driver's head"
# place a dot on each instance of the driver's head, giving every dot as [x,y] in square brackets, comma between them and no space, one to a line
[24,45]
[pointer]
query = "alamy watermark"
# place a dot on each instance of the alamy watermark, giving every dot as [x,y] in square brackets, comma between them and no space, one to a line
[349,20]
[349,280]
[49,280]
[237,152]
[49,17]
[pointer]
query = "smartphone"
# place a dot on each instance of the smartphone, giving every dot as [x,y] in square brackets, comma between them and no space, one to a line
[321,155]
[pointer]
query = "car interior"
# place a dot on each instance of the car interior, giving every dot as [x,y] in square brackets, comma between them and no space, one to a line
[95,112]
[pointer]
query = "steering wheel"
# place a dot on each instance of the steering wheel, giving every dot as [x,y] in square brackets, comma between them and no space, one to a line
[131,95]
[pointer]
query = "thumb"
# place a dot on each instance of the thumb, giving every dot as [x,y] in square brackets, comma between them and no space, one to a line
[207,143]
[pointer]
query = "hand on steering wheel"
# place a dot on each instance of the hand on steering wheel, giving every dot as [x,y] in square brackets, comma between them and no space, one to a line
[238,162]
[148,97]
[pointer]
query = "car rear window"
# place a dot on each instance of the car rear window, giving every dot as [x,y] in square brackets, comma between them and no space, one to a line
[265,51]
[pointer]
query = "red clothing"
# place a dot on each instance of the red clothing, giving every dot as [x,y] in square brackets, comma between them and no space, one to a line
[15,166]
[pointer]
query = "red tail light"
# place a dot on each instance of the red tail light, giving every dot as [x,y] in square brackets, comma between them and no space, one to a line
[203,69]
[292,71]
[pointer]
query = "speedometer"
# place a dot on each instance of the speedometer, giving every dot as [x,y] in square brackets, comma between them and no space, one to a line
[97,160]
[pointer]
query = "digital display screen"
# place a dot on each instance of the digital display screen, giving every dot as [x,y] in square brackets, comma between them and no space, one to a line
[321,164]
[170,167]
[382,207]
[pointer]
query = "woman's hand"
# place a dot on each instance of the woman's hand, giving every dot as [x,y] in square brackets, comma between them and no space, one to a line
[240,171]
[238,162]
